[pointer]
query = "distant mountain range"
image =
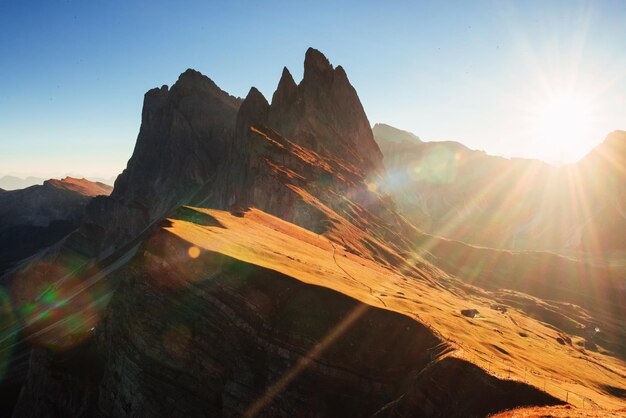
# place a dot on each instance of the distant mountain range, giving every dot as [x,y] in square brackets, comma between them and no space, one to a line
[38,216]
[450,190]
[15,183]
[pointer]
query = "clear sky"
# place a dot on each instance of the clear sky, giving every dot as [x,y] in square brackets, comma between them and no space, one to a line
[492,75]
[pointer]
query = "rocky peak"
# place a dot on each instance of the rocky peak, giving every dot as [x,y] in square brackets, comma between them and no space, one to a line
[324,113]
[195,80]
[182,145]
[317,68]
[80,186]
[254,109]
[193,144]
[287,91]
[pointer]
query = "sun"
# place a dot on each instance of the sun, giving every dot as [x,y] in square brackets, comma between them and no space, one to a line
[564,126]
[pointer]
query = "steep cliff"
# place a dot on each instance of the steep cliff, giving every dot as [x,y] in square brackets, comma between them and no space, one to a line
[181,147]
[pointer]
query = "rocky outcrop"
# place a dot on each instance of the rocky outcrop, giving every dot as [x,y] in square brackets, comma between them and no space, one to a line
[196,146]
[324,113]
[185,132]
[193,147]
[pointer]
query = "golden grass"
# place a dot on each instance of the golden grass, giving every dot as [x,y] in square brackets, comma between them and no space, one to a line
[493,341]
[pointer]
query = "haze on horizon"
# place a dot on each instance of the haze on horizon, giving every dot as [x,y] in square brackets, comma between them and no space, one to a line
[530,79]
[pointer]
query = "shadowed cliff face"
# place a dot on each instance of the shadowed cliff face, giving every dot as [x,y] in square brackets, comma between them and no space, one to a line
[180,148]
[324,113]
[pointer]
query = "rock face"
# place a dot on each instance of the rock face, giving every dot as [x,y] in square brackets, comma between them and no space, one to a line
[449,190]
[38,216]
[194,147]
[324,113]
[180,148]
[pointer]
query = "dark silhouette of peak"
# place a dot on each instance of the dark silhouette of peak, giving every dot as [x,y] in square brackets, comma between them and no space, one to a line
[191,76]
[255,108]
[195,80]
[324,113]
[190,73]
[287,91]
[255,96]
[185,132]
[317,66]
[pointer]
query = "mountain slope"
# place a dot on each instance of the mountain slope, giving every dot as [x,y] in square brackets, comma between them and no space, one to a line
[269,318]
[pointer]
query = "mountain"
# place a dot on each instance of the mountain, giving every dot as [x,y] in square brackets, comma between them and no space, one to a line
[14,183]
[38,216]
[386,134]
[602,174]
[452,191]
[248,264]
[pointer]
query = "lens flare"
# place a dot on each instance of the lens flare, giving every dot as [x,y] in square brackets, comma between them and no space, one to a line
[56,308]
[439,166]
[194,252]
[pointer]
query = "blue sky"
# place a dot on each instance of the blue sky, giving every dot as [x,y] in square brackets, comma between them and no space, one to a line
[73,73]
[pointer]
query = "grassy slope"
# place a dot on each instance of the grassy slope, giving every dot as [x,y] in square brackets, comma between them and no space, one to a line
[508,345]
